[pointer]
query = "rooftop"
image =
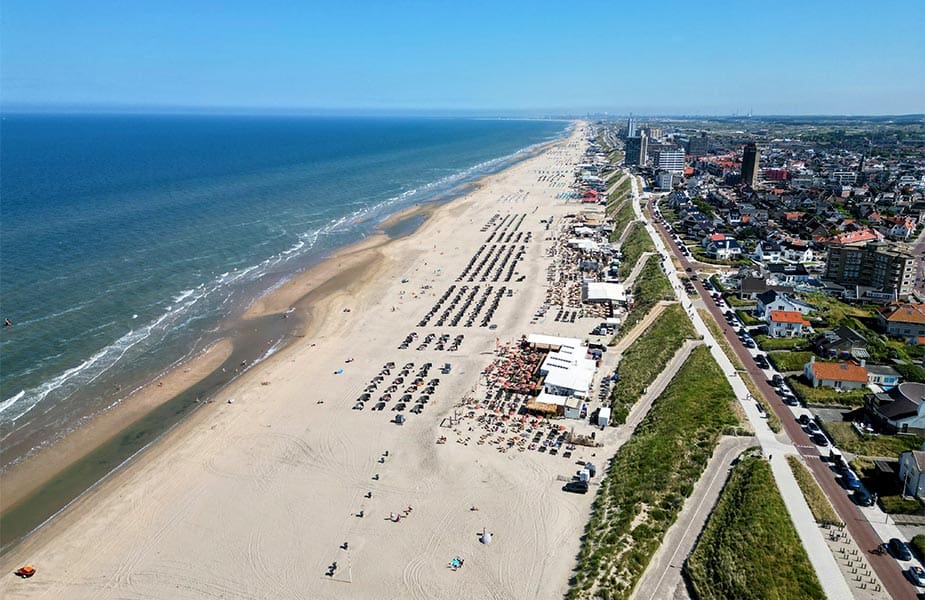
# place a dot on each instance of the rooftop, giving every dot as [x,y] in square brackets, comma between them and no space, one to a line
[845,371]
[788,316]
[904,313]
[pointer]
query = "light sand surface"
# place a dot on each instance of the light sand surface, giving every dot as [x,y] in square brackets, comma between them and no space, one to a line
[253,499]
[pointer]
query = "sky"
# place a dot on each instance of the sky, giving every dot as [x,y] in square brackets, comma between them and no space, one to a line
[471,56]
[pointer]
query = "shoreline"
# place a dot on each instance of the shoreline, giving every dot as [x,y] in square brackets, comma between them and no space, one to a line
[304,294]
[257,497]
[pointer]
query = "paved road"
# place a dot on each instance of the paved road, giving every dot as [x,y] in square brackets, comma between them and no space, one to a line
[887,569]
[663,575]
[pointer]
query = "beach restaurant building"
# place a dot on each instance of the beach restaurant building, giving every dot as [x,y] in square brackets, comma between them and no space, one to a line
[566,374]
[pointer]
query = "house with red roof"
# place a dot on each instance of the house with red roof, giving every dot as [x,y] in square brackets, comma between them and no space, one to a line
[905,321]
[900,227]
[787,323]
[859,236]
[841,376]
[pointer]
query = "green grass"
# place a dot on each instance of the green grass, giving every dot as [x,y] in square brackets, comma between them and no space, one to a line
[637,242]
[746,317]
[833,310]
[911,372]
[647,357]
[824,395]
[649,478]
[649,288]
[897,505]
[848,439]
[918,545]
[737,302]
[789,361]
[773,421]
[768,343]
[880,347]
[621,219]
[749,548]
[818,504]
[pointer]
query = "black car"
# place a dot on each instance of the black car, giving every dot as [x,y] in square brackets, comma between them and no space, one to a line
[863,497]
[803,419]
[577,487]
[819,439]
[899,549]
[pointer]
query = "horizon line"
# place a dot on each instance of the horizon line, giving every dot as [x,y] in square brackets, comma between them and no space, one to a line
[553,114]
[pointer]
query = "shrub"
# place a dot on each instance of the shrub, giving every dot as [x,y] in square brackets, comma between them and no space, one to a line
[918,545]
[789,361]
[647,356]
[818,504]
[825,396]
[637,242]
[898,505]
[657,466]
[749,547]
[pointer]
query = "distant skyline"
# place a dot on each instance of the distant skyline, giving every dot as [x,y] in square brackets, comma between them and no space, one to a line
[471,58]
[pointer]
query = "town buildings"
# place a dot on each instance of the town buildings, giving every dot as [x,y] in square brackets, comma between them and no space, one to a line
[884,271]
[636,151]
[750,161]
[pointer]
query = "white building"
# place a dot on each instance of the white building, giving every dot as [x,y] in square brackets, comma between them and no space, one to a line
[670,160]
[664,181]
[912,473]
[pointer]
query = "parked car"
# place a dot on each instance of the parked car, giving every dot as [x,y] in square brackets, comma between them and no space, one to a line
[750,343]
[916,575]
[577,487]
[819,439]
[863,497]
[899,549]
[804,419]
[777,380]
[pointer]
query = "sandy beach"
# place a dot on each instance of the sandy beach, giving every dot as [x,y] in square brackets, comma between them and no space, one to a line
[258,494]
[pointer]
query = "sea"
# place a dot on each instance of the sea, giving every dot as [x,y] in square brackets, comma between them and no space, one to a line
[127,242]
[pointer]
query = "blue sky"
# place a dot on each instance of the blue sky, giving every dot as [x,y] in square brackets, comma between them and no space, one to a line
[807,57]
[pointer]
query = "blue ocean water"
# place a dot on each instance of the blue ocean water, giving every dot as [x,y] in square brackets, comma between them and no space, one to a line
[125,240]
